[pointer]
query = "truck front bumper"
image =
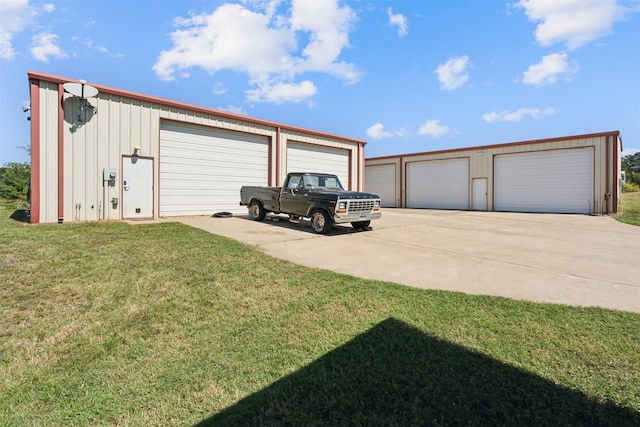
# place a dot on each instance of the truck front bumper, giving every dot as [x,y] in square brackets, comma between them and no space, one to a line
[356,217]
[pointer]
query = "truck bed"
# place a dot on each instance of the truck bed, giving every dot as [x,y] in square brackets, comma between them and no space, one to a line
[267,195]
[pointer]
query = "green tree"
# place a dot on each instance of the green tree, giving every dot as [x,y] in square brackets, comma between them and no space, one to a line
[14,181]
[631,167]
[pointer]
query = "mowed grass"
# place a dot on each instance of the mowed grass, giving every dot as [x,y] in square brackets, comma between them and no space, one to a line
[629,208]
[162,324]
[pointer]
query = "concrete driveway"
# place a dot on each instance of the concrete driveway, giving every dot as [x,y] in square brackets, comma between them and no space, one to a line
[569,259]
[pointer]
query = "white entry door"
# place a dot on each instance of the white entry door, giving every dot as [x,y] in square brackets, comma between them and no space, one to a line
[137,187]
[479,194]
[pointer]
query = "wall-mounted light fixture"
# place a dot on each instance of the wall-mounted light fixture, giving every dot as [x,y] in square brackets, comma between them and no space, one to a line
[136,151]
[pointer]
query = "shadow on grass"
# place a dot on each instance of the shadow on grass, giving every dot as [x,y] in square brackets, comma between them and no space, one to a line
[21,215]
[396,375]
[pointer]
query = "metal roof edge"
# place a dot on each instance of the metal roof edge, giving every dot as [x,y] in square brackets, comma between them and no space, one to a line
[37,75]
[507,144]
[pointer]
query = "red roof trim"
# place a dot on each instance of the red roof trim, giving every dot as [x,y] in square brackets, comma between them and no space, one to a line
[34,96]
[176,104]
[508,144]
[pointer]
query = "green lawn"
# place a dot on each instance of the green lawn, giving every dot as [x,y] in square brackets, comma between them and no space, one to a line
[629,209]
[161,324]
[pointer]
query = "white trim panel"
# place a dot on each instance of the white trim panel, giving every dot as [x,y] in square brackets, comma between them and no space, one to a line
[558,181]
[202,169]
[381,180]
[438,184]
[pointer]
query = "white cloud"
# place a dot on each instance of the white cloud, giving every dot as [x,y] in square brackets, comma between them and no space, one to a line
[89,43]
[15,17]
[572,22]
[516,116]
[399,21]
[433,128]
[377,132]
[219,89]
[548,70]
[265,46]
[453,73]
[43,47]
[233,109]
[282,92]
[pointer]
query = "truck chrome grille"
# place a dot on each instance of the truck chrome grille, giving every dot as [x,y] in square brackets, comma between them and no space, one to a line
[357,206]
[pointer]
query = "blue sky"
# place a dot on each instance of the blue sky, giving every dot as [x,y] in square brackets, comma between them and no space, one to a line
[406,76]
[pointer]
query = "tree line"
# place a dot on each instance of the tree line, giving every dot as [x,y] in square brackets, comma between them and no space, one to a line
[631,167]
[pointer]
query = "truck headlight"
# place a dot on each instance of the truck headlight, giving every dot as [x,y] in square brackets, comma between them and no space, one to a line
[342,204]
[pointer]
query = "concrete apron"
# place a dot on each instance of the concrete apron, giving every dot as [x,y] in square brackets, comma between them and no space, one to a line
[568,259]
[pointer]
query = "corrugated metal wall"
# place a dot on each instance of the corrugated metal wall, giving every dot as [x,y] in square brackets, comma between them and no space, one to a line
[98,134]
[606,148]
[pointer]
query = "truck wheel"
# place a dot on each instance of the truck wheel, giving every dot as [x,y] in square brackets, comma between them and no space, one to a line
[256,211]
[321,222]
[361,225]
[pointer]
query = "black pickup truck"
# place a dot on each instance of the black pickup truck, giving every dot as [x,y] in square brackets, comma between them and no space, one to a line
[318,196]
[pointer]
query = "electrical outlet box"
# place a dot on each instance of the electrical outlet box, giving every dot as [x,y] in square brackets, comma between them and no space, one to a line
[109,174]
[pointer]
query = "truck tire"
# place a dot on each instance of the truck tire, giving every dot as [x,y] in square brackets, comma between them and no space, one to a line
[256,211]
[321,222]
[361,225]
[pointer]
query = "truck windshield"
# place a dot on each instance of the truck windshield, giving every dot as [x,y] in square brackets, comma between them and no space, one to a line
[330,182]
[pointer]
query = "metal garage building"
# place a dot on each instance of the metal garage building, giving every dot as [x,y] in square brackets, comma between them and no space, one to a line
[124,155]
[573,174]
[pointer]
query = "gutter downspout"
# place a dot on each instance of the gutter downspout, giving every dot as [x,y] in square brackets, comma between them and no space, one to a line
[60,154]
[278,172]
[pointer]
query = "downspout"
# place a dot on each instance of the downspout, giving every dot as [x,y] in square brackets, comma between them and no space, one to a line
[278,175]
[605,205]
[60,154]
[34,94]
[616,171]
[361,166]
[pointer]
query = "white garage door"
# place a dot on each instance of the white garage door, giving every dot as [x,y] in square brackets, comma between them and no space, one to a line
[381,180]
[202,169]
[546,181]
[316,158]
[438,184]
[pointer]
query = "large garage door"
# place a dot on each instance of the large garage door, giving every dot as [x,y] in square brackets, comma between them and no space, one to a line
[546,181]
[438,184]
[202,169]
[317,158]
[381,180]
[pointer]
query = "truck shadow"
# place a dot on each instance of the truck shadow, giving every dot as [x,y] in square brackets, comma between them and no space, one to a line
[305,226]
[397,375]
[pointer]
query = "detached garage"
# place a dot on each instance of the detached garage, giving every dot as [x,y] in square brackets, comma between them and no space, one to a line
[575,174]
[116,154]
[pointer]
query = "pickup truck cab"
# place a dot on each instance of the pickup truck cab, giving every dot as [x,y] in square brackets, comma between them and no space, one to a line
[317,196]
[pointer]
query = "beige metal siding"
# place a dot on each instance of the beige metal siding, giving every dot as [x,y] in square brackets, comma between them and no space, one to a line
[481,160]
[123,122]
[49,105]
